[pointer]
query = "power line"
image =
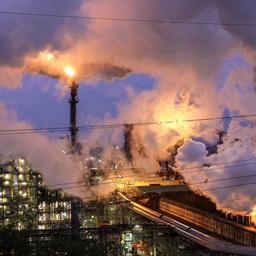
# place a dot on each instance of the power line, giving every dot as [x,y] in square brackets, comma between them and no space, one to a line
[228,186]
[197,183]
[213,169]
[143,176]
[135,175]
[115,181]
[223,179]
[221,163]
[105,126]
[33,132]
[34,129]
[205,190]
[117,125]
[134,20]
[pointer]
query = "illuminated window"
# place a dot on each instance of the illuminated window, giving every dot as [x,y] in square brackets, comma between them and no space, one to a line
[20,226]
[42,217]
[21,161]
[42,206]
[64,215]
[7,176]
[7,183]
[20,168]
[9,168]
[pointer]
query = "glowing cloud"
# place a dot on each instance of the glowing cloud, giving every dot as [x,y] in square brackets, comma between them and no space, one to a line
[69,71]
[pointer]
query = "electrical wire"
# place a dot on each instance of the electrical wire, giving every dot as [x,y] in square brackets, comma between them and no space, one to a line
[213,169]
[224,179]
[209,189]
[116,181]
[134,20]
[205,190]
[117,125]
[228,186]
[143,176]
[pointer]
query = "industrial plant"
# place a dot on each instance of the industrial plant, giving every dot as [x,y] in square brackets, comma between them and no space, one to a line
[127,128]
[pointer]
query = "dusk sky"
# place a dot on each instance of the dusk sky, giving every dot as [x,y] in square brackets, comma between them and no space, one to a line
[41,101]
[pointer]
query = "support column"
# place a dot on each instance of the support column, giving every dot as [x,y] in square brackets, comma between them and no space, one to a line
[75,227]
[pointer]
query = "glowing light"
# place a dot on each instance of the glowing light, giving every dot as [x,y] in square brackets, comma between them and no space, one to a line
[171,122]
[21,161]
[49,56]
[253,214]
[120,186]
[69,71]
[178,121]
[162,122]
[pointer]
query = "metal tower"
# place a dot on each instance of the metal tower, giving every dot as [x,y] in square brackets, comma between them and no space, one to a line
[73,100]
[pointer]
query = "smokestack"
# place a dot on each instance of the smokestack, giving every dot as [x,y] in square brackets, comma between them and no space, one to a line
[73,100]
[128,128]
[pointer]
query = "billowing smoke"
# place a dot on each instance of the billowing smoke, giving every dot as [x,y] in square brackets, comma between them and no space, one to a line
[46,155]
[191,153]
[184,59]
[227,176]
[240,13]
[54,66]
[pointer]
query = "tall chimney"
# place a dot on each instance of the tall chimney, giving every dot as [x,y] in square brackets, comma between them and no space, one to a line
[128,128]
[73,100]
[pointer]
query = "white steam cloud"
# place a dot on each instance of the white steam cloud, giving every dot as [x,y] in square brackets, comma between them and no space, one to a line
[45,155]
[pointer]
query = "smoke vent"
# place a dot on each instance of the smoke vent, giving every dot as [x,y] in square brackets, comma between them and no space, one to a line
[74,145]
[128,128]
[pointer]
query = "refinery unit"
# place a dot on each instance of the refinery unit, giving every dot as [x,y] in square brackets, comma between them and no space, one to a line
[25,202]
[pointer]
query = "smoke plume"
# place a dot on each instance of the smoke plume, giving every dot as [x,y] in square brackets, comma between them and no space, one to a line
[46,155]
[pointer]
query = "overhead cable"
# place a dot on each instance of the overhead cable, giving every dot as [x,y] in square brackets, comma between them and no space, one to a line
[133,20]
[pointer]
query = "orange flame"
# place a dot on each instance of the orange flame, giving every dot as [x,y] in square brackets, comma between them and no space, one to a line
[69,71]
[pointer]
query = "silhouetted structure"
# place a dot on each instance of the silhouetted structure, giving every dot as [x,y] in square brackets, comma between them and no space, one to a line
[128,128]
[73,100]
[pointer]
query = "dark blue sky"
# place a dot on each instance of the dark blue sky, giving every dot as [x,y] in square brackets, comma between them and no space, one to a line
[38,102]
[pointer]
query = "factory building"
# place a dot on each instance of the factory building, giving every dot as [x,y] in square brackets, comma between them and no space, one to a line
[19,193]
[25,202]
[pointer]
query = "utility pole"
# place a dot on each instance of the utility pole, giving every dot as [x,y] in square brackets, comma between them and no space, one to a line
[75,226]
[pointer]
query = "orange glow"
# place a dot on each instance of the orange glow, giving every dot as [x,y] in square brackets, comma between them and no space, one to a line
[50,56]
[69,71]
[174,120]
[253,214]
[46,56]
[120,186]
